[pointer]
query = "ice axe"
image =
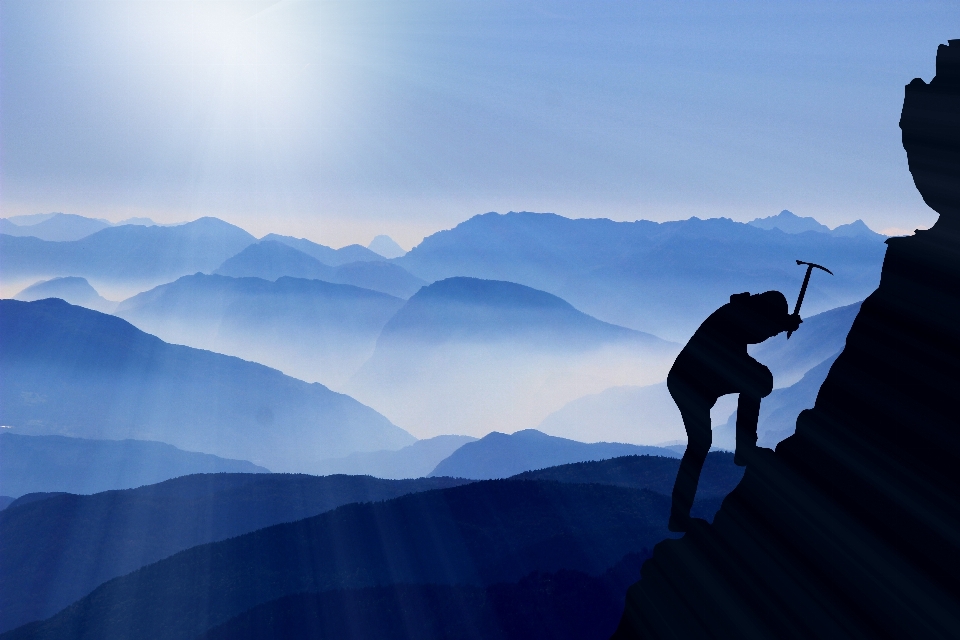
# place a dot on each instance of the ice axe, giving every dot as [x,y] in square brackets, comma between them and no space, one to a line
[803,288]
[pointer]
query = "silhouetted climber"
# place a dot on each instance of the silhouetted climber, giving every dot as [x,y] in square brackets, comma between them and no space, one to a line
[851,528]
[714,363]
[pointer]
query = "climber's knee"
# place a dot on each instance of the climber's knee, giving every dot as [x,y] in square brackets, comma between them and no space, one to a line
[700,438]
[760,383]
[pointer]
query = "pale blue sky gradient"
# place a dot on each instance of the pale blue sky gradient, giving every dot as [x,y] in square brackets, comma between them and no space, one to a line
[341,120]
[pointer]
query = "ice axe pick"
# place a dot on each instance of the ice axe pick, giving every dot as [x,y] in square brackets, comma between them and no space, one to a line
[803,288]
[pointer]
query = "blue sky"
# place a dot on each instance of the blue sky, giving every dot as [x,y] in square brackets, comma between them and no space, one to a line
[341,120]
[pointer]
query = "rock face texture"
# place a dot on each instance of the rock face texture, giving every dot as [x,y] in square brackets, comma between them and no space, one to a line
[851,529]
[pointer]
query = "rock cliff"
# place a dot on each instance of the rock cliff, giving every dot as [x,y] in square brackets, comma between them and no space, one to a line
[852,527]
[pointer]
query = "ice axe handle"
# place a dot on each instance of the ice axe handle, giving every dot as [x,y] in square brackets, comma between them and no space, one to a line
[803,288]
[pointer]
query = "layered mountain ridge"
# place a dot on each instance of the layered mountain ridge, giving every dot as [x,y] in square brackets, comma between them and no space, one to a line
[662,278]
[311,329]
[76,372]
[473,356]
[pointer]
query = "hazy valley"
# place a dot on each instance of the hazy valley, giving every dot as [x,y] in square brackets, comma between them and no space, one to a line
[426,379]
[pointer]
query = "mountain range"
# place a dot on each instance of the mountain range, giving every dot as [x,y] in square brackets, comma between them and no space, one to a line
[789,222]
[501,324]
[127,256]
[31,464]
[499,455]
[472,356]
[76,372]
[662,278]
[60,227]
[311,329]
[496,455]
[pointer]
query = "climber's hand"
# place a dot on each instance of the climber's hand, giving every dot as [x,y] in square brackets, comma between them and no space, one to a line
[793,323]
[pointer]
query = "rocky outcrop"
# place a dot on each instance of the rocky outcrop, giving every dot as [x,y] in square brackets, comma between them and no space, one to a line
[852,527]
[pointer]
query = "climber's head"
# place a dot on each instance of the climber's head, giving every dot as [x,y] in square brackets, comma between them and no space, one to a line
[761,315]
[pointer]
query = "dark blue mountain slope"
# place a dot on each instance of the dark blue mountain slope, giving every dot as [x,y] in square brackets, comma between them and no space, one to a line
[656,473]
[562,605]
[60,548]
[29,464]
[664,278]
[36,497]
[478,534]
[72,371]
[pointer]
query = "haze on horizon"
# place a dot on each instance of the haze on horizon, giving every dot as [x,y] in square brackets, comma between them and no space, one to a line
[339,121]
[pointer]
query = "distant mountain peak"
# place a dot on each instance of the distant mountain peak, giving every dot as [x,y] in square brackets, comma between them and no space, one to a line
[270,259]
[325,254]
[72,289]
[141,221]
[386,247]
[856,228]
[789,222]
